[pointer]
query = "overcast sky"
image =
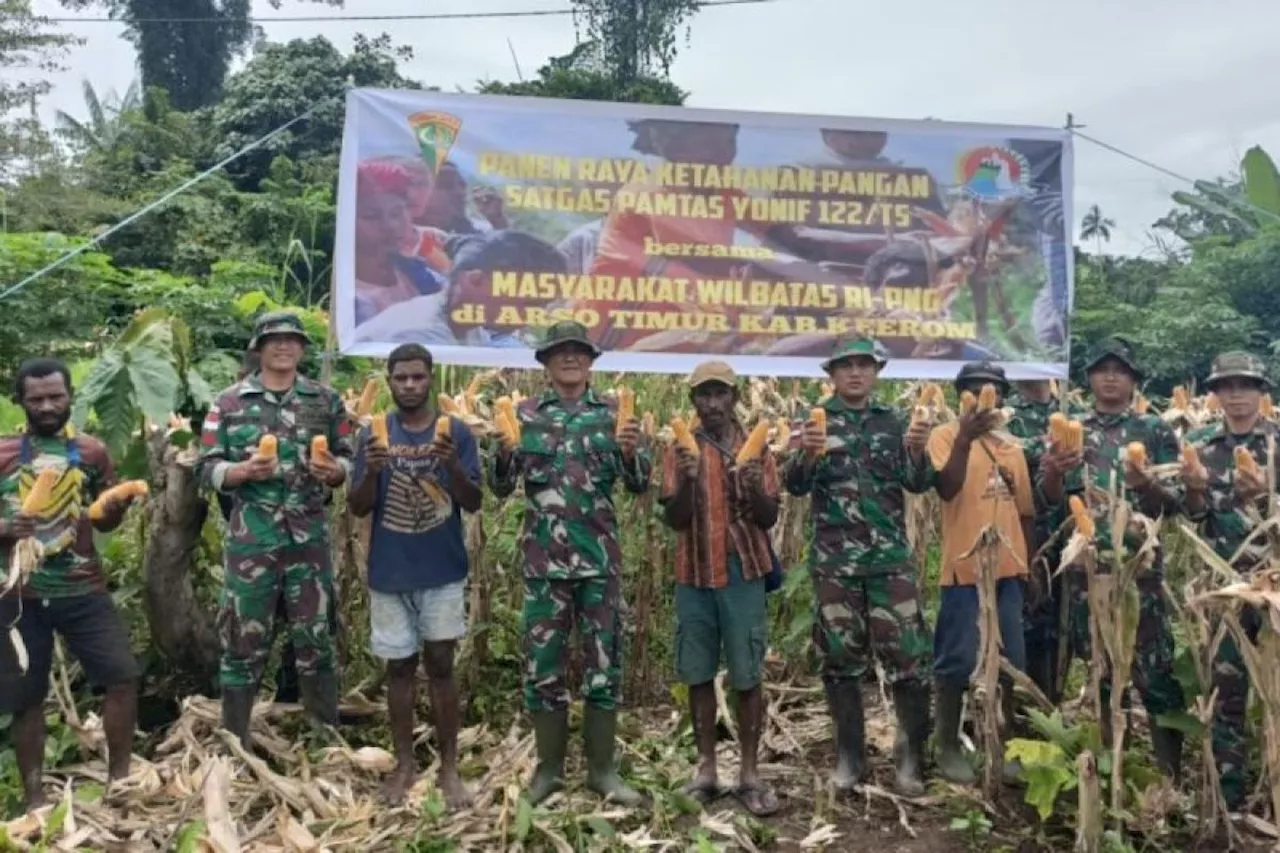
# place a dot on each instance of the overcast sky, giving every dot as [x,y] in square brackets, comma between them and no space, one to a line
[1183,83]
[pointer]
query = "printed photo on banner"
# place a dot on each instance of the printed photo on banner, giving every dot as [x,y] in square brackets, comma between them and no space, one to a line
[471,223]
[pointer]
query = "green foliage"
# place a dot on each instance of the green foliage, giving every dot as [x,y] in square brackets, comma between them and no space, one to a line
[29,53]
[576,76]
[634,38]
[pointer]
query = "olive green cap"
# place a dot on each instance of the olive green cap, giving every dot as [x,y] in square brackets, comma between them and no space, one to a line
[1238,365]
[1118,348]
[564,332]
[852,348]
[277,323]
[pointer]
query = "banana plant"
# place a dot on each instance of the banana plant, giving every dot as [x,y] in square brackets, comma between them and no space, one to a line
[1253,206]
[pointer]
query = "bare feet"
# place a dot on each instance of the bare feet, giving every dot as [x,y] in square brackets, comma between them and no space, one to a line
[396,786]
[456,795]
[704,787]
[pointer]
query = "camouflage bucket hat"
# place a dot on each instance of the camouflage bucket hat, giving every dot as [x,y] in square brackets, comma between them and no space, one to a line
[854,347]
[1119,349]
[564,332]
[1238,365]
[278,323]
[983,373]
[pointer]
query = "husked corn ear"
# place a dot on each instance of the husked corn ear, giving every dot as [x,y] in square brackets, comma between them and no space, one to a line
[368,396]
[1180,398]
[319,447]
[1075,435]
[626,405]
[968,402]
[1141,405]
[1266,407]
[41,491]
[127,490]
[443,427]
[1212,403]
[918,414]
[987,398]
[449,406]
[1245,462]
[1059,429]
[819,416]
[755,443]
[1190,457]
[1137,453]
[379,429]
[268,447]
[1084,521]
[508,422]
[930,394]
[684,437]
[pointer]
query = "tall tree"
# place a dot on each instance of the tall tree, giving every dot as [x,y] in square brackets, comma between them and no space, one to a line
[185,46]
[634,38]
[578,76]
[29,52]
[1096,227]
[103,127]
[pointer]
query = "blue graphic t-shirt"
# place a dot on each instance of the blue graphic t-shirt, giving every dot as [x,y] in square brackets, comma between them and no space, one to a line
[417,540]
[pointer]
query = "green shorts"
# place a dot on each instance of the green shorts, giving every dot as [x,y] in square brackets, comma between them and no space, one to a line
[734,617]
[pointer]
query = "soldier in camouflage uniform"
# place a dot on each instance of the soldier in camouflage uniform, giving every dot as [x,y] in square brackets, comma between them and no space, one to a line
[1218,499]
[571,453]
[1032,404]
[867,602]
[278,543]
[1109,428]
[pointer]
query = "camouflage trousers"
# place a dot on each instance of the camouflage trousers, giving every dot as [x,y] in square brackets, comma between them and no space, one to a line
[856,618]
[551,610]
[1231,680]
[1153,653]
[255,584]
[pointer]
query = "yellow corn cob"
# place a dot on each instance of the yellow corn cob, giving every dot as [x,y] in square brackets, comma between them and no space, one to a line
[1245,463]
[1075,435]
[125,491]
[1266,407]
[1141,405]
[684,438]
[1059,429]
[1190,457]
[648,426]
[1084,521]
[364,406]
[319,447]
[448,405]
[1137,452]
[987,398]
[268,447]
[379,429]
[41,491]
[1180,398]
[626,406]
[507,409]
[754,445]
[968,402]
[443,428]
[1211,403]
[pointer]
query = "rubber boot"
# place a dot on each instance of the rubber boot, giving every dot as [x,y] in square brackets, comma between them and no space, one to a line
[844,699]
[598,729]
[237,709]
[320,697]
[952,763]
[1167,745]
[287,690]
[911,706]
[551,736]
[1011,771]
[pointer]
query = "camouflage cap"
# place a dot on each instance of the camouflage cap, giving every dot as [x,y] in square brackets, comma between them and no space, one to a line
[277,323]
[983,372]
[1118,348]
[1238,365]
[852,348]
[712,371]
[564,332]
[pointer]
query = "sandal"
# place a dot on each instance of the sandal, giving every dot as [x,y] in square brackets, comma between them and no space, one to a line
[757,798]
[703,792]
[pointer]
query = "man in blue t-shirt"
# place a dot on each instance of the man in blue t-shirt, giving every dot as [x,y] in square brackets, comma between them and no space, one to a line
[416,488]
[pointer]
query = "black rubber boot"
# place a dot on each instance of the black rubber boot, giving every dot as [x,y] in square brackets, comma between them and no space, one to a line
[287,690]
[952,763]
[1167,745]
[320,697]
[911,706]
[598,729]
[237,709]
[844,699]
[551,737]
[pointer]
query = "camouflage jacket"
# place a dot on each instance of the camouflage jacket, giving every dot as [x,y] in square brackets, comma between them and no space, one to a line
[1106,438]
[858,504]
[1225,524]
[289,508]
[570,461]
[1030,425]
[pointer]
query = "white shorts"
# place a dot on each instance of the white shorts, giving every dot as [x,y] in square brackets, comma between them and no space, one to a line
[402,622]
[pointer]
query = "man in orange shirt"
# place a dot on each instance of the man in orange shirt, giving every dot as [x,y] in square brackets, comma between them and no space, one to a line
[984,482]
